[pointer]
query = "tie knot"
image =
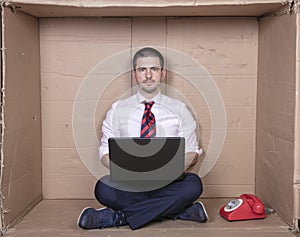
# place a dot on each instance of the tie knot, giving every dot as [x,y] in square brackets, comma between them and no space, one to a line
[148,105]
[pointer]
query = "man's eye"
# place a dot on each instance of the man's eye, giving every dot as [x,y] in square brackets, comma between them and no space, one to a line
[141,69]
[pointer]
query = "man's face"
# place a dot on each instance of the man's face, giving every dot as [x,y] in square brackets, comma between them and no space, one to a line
[149,74]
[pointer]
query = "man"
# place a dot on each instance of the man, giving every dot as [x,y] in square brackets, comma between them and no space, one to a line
[150,113]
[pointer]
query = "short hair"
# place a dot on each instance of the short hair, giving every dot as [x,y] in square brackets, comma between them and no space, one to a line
[148,52]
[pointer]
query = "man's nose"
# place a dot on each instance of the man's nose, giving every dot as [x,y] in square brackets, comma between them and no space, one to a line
[148,73]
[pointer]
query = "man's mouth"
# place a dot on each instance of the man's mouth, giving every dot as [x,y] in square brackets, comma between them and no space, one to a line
[148,82]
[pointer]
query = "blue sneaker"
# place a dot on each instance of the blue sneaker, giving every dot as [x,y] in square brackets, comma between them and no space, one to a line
[91,218]
[196,212]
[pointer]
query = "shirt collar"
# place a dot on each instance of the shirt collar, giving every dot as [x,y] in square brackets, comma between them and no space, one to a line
[156,99]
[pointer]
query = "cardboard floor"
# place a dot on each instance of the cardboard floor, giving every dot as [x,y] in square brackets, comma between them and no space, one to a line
[59,217]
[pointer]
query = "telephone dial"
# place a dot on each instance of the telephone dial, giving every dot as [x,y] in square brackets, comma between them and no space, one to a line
[246,207]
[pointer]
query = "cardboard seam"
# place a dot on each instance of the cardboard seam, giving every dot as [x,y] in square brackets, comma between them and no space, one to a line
[24,212]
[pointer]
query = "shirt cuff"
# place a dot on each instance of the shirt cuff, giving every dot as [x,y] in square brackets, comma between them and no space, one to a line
[102,152]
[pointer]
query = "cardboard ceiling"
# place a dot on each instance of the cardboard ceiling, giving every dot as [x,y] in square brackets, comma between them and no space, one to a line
[51,8]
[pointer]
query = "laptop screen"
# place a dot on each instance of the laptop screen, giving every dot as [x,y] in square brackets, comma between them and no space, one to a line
[146,159]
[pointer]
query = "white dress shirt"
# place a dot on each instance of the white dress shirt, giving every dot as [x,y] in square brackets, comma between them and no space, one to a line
[173,119]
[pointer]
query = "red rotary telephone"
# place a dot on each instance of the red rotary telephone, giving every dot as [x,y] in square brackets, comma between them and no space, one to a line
[246,207]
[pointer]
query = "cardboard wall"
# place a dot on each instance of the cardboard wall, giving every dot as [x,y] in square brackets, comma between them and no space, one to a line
[71,47]
[227,48]
[21,185]
[276,113]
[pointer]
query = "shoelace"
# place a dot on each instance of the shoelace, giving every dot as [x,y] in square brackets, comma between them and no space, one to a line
[183,215]
[104,219]
[119,218]
[108,218]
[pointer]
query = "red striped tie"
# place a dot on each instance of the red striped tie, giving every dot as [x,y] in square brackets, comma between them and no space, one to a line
[148,127]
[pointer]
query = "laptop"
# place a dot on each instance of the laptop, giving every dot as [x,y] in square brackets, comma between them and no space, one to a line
[152,161]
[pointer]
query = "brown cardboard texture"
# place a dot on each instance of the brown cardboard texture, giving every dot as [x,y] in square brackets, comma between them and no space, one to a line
[21,178]
[276,113]
[51,47]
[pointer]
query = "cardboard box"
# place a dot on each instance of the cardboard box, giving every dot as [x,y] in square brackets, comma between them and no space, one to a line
[250,49]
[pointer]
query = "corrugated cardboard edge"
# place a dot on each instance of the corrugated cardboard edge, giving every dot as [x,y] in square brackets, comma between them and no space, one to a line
[33,204]
[2,122]
[107,8]
[296,224]
[297,128]
[137,3]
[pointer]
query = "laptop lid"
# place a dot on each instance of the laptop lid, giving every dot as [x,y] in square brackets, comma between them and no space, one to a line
[134,159]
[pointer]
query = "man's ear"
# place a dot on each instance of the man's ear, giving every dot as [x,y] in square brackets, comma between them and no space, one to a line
[133,75]
[163,74]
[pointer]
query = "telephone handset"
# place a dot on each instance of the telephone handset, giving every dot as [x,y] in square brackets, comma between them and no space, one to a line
[246,207]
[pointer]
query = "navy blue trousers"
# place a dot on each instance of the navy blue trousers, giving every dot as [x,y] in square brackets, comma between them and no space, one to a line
[141,208]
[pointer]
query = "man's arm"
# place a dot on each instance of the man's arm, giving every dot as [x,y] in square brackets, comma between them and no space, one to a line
[108,130]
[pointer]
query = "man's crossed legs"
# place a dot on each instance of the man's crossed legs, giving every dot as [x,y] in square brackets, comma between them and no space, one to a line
[137,209]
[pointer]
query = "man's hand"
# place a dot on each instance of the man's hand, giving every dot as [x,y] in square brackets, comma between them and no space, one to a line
[105,160]
[191,159]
